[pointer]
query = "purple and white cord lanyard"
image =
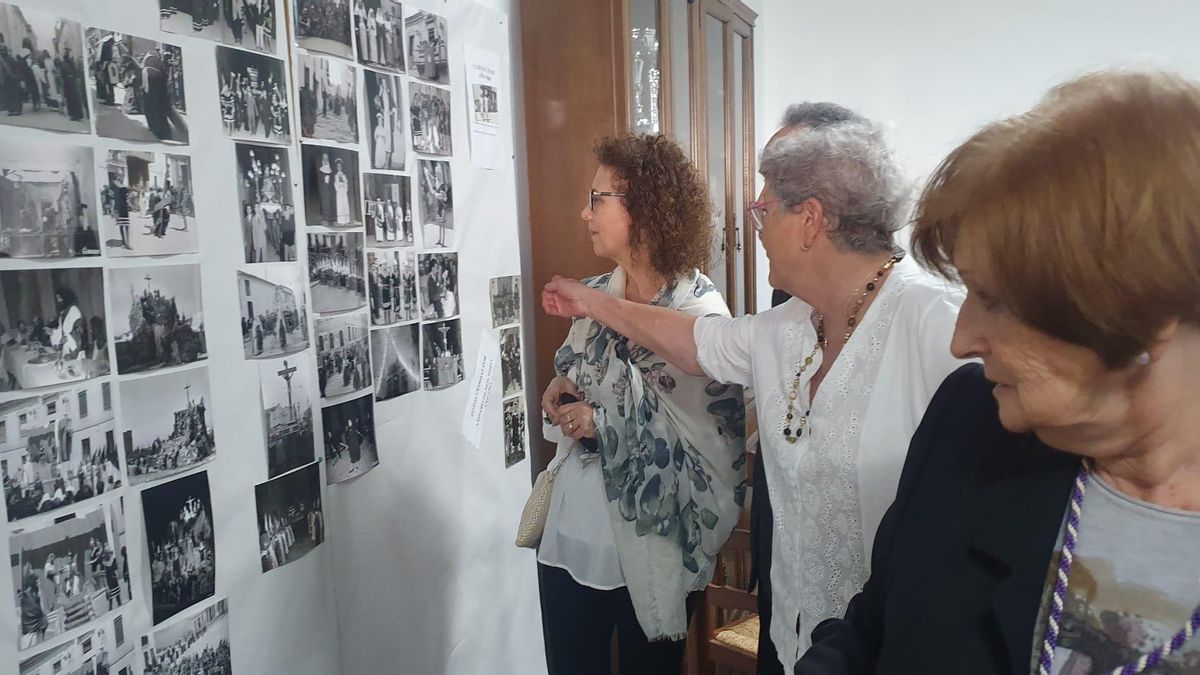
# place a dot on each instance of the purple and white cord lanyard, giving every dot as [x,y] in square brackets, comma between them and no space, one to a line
[1142,663]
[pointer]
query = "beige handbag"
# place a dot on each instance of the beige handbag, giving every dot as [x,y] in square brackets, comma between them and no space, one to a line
[533,516]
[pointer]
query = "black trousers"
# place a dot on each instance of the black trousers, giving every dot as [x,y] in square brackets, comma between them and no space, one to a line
[579,623]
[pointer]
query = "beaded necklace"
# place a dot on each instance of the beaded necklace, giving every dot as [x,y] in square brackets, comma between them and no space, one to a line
[822,342]
[1054,617]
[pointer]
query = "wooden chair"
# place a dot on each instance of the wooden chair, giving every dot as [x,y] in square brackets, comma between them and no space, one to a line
[727,621]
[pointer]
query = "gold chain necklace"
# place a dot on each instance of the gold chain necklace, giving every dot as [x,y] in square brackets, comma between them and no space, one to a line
[851,323]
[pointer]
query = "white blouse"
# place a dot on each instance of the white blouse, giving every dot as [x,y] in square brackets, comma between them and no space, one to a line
[830,489]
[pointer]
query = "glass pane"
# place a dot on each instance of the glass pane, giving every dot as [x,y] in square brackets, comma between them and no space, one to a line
[681,76]
[715,102]
[738,305]
[644,102]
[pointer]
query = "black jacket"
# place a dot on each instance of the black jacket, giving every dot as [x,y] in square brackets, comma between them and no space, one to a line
[962,556]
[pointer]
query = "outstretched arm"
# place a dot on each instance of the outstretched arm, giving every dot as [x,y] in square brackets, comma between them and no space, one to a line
[666,332]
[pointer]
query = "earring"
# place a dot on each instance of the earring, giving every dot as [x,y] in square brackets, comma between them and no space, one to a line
[806,247]
[1142,359]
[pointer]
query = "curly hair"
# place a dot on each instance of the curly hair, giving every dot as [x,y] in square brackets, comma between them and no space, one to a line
[667,200]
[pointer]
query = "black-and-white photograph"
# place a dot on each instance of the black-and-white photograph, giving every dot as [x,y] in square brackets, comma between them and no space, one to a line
[103,650]
[47,200]
[58,449]
[287,412]
[510,361]
[389,211]
[70,572]
[41,57]
[350,449]
[428,49]
[168,424]
[514,431]
[328,99]
[147,204]
[249,24]
[393,284]
[437,204]
[324,26]
[268,208]
[52,327]
[438,280]
[396,360]
[332,197]
[484,104]
[158,318]
[343,354]
[506,300]
[442,352]
[335,271]
[379,33]
[385,120]
[194,645]
[274,306]
[137,87]
[290,520]
[179,536]
[429,113]
[253,96]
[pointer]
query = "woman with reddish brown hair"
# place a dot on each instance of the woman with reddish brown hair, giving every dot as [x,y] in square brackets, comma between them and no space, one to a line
[651,461]
[1048,516]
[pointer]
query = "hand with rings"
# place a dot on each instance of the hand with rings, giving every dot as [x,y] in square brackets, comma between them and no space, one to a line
[578,420]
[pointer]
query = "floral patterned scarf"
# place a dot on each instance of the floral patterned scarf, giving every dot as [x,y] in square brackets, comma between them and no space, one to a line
[672,448]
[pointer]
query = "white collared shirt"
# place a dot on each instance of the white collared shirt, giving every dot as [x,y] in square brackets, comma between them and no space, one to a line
[829,490]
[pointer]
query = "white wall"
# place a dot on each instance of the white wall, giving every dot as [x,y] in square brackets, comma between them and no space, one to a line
[935,70]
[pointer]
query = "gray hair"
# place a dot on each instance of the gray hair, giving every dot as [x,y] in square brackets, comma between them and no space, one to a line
[848,168]
[816,115]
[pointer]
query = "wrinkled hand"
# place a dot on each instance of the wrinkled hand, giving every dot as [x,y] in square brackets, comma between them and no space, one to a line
[558,386]
[578,420]
[566,297]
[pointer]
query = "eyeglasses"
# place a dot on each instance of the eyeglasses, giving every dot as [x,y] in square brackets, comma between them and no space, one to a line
[592,194]
[758,211]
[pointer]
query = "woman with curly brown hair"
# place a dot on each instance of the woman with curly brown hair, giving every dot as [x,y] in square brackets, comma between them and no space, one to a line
[842,371]
[650,462]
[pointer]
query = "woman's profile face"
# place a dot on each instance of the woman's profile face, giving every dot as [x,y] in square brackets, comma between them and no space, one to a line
[608,221]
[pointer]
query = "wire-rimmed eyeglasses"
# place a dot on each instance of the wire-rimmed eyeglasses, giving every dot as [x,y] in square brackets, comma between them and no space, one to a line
[758,211]
[592,194]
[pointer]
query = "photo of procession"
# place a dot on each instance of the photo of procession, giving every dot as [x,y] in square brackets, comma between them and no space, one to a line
[158,319]
[290,520]
[137,86]
[428,49]
[350,449]
[328,99]
[332,197]
[379,33]
[69,573]
[343,356]
[194,645]
[252,94]
[335,271]
[148,205]
[105,650]
[52,327]
[506,300]
[58,449]
[442,354]
[287,412]
[389,211]
[396,360]
[168,424]
[385,120]
[439,285]
[514,431]
[324,26]
[392,279]
[249,24]
[429,110]
[47,201]
[510,361]
[41,71]
[268,208]
[179,536]
[274,308]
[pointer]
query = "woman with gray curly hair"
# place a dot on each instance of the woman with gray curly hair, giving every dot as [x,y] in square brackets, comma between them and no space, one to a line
[843,371]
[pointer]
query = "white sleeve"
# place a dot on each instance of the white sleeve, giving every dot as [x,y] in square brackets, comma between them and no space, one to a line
[724,348]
